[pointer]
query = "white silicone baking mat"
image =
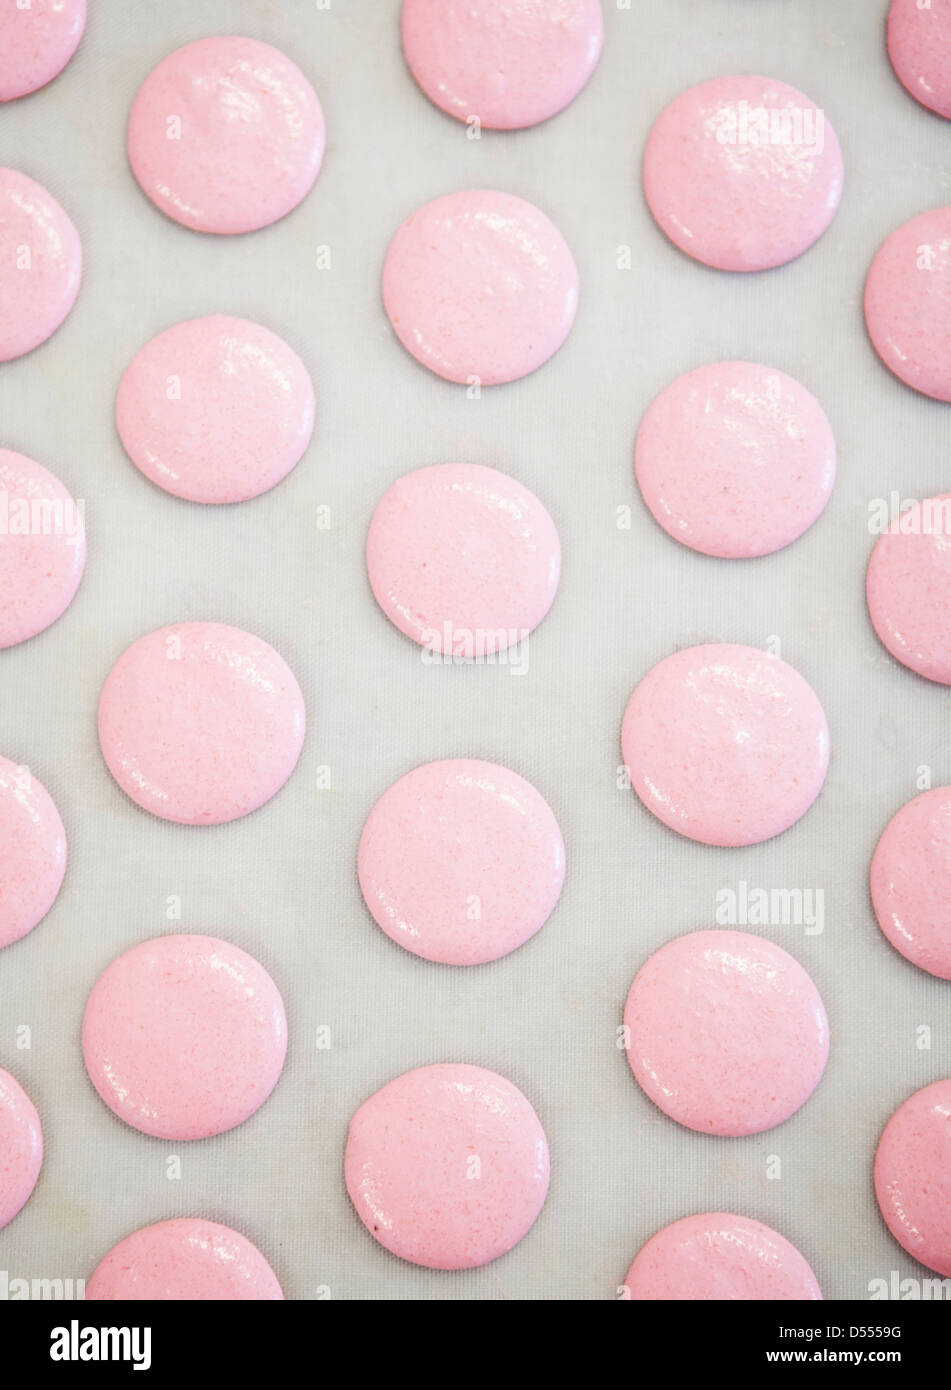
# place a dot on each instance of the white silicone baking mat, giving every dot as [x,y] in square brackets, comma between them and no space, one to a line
[282,883]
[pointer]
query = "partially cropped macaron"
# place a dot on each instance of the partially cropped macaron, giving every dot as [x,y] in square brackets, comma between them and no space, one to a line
[187,1259]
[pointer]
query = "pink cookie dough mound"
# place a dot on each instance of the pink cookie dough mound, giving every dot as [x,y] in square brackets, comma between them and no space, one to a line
[919,46]
[719,1257]
[461,861]
[41,264]
[908,588]
[226,135]
[910,880]
[743,173]
[37,40]
[185,1260]
[480,287]
[725,1032]
[913,1176]
[201,723]
[908,303]
[463,559]
[42,548]
[216,409]
[505,63]
[735,460]
[32,851]
[725,744]
[447,1166]
[184,1036]
[21,1147]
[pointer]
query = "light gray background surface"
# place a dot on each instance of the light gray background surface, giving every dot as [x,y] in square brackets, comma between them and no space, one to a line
[282,883]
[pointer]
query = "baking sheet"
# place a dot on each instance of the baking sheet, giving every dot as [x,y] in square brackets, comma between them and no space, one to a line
[282,883]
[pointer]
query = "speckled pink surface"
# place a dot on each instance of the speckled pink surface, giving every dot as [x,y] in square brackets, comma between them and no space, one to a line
[919,45]
[480,287]
[21,1147]
[461,861]
[41,264]
[742,173]
[184,1036]
[187,1259]
[463,559]
[447,1166]
[725,744]
[913,1176]
[32,851]
[718,1256]
[508,63]
[226,135]
[42,548]
[725,1032]
[216,409]
[37,40]
[201,723]
[908,303]
[735,459]
[910,881]
[908,588]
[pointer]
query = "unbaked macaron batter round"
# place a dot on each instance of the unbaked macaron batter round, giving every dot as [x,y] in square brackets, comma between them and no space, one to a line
[216,409]
[719,1256]
[226,135]
[725,744]
[201,723]
[735,459]
[42,548]
[184,1260]
[742,173]
[461,861]
[184,1036]
[910,881]
[447,1166]
[21,1147]
[37,40]
[908,588]
[41,264]
[480,287]
[725,1032]
[463,559]
[913,1176]
[506,63]
[32,851]
[908,303]
[919,46]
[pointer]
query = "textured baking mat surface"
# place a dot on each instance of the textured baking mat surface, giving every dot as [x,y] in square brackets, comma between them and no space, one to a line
[282,883]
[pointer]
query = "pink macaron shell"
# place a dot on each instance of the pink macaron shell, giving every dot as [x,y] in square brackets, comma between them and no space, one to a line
[42,548]
[725,744]
[21,1147]
[506,63]
[463,559]
[201,723]
[216,409]
[41,264]
[226,135]
[447,1166]
[908,303]
[919,46]
[717,1256]
[32,852]
[913,1176]
[37,40]
[746,202]
[908,588]
[184,1260]
[184,1036]
[461,861]
[480,287]
[910,880]
[735,460]
[725,1032]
